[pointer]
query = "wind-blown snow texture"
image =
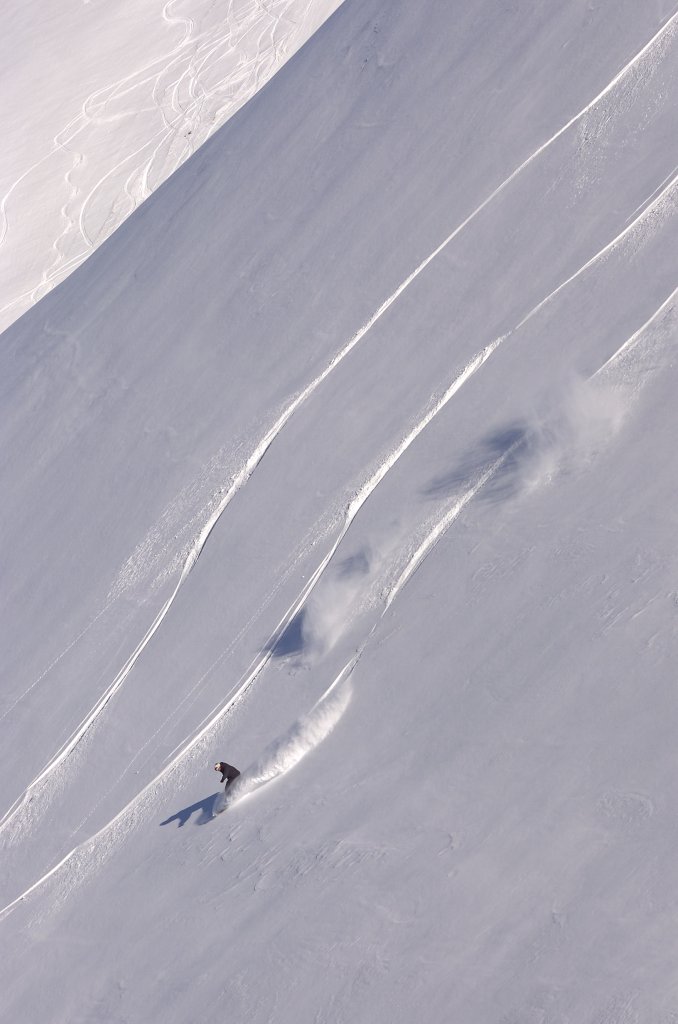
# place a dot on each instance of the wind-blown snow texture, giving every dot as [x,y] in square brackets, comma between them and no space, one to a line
[350,458]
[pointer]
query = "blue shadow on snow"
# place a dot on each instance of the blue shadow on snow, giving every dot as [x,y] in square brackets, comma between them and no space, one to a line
[515,441]
[204,807]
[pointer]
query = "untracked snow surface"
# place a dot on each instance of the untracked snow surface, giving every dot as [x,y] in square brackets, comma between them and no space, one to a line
[350,458]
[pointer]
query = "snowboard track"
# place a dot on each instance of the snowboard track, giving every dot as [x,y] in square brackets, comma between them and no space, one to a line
[357,503]
[666,30]
[94,850]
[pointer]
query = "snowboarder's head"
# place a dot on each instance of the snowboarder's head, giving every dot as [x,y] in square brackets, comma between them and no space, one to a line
[217,766]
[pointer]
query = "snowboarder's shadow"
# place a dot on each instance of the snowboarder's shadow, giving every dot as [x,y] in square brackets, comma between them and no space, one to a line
[204,807]
[516,442]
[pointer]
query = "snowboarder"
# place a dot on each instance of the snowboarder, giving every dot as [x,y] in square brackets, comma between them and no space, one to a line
[227,772]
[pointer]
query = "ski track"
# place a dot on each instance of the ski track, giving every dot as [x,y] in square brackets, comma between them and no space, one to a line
[433,537]
[445,522]
[654,193]
[55,662]
[656,203]
[441,527]
[169,131]
[382,309]
[354,507]
[130,811]
[197,547]
[652,206]
[630,343]
[190,561]
[196,109]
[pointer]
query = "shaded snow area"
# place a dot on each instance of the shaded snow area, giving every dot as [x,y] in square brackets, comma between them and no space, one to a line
[350,458]
[103,101]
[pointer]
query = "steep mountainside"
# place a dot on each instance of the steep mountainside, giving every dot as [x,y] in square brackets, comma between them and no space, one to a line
[349,458]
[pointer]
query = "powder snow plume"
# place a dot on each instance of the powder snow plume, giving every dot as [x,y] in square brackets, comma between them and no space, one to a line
[287,750]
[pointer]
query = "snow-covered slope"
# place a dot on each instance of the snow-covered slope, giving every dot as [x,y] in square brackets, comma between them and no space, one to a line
[349,458]
[103,101]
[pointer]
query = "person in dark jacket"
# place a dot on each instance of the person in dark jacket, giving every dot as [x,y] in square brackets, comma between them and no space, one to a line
[227,772]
